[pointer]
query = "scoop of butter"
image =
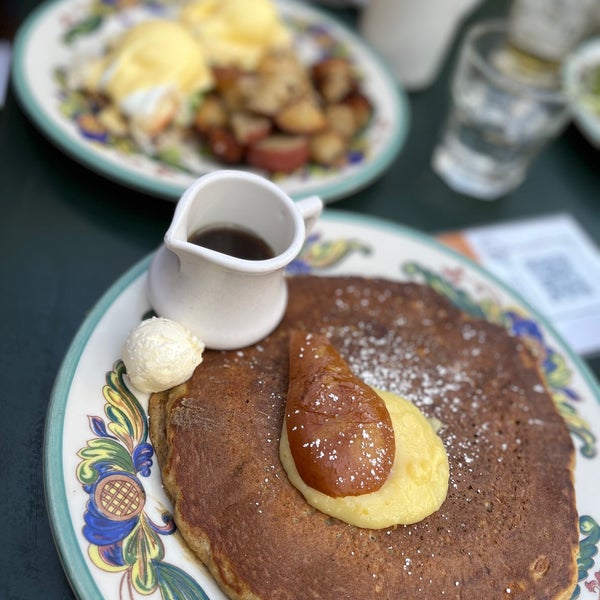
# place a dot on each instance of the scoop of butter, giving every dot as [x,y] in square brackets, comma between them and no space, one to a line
[159,354]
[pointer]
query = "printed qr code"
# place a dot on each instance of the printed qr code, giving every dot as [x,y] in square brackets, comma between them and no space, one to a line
[559,278]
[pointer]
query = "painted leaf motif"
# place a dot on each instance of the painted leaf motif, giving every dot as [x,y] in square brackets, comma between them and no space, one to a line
[171,156]
[169,524]
[493,313]
[142,459]
[558,373]
[98,426]
[84,27]
[176,584]
[123,409]
[458,297]
[140,549]
[100,455]
[577,425]
[107,558]
[321,254]
[588,548]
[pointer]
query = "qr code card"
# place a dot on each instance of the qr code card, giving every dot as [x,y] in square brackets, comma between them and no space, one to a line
[552,263]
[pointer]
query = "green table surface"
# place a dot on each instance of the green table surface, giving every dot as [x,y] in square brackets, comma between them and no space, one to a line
[66,234]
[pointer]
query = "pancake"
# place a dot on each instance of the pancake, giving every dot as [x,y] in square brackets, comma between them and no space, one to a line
[508,527]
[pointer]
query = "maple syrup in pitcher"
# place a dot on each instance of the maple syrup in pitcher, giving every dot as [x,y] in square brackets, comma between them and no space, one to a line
[234,241]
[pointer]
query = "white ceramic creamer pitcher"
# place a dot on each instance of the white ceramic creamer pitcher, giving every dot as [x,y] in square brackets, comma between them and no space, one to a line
[226,301]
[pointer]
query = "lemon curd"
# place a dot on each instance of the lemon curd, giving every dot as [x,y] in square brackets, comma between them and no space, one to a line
[415,488]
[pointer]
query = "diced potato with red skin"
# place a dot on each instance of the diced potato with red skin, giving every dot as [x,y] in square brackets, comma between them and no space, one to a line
[269,94]
[341,118]
[362,107]
[248,128]
[288,69]
[211,113]
[334,78]
[224,76]
[224,146]
[284,62]
[328,148]
[282,115]
[279,153]
[235,88]
[302,117]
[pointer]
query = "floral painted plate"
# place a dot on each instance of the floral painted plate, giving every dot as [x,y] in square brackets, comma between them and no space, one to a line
[61,30]
[108,511]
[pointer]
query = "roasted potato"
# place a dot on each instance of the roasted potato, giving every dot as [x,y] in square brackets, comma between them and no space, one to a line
[283,115]
[304,116]
[279,153]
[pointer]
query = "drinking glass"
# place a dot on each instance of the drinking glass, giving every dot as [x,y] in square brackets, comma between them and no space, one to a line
[501,116]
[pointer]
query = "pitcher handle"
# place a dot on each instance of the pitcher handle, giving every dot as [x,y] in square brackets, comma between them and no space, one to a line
[310,208]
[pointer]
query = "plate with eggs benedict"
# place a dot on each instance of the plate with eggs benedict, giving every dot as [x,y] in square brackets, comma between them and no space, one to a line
[153,95]
[476,423]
